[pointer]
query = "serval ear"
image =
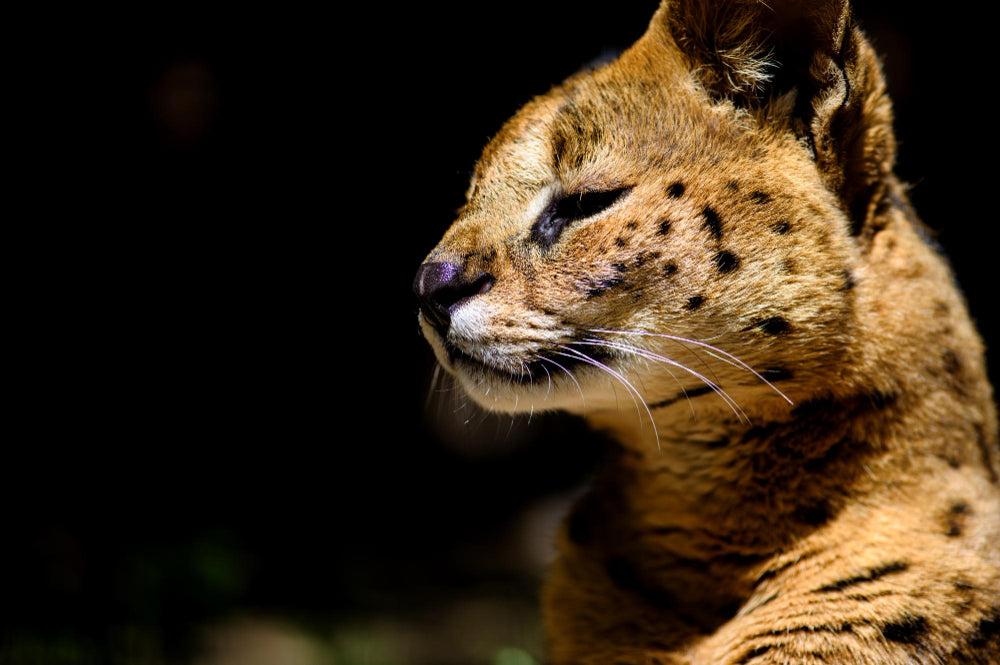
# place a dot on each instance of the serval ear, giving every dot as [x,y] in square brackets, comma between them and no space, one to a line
[753,53]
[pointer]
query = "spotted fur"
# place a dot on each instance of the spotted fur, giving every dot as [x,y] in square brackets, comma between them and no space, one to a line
[708,229]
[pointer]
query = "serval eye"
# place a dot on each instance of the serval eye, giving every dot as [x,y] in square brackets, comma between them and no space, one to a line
[560,214]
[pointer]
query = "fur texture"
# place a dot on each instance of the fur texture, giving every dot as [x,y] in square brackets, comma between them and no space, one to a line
[838,502]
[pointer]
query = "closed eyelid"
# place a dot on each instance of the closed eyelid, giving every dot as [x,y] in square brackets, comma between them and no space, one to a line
[570,208]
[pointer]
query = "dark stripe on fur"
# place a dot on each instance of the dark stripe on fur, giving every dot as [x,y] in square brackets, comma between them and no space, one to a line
[870,576]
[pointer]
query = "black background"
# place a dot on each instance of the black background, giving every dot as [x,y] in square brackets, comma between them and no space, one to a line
[217,358]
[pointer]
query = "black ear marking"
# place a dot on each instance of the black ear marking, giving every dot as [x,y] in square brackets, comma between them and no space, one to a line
[694,302]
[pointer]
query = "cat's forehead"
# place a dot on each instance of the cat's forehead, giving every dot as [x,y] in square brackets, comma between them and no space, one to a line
[598,129]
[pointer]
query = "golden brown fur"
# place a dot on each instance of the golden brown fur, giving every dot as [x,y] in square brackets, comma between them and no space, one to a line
[849,513]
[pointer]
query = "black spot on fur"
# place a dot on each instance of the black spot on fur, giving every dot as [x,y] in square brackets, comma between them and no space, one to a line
[781,228]
[908,629]
[733,186]
[712,223]
[849,282]
[676,190]
[601,287]
[669,269]
[726,262]
[759,197]
[620,267]
[694,302]
[870,575]
[951,362]
[774,325]
[632,226]
[621,242]
[955,521]
[664,228]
